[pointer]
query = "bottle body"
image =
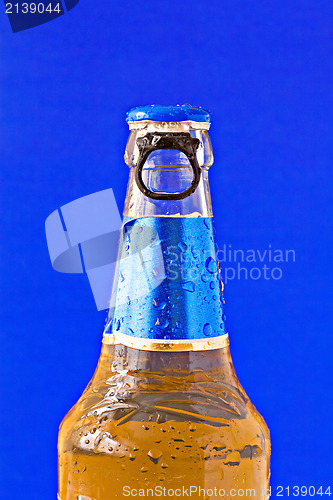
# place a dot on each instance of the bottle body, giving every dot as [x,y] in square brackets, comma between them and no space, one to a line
[154,420]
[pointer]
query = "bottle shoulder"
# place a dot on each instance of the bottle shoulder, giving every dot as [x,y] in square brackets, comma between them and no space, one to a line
[133,397]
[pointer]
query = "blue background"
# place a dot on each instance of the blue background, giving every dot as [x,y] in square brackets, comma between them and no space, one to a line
[265,71]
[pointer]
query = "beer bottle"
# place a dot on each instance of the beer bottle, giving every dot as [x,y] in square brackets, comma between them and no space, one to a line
[164,414]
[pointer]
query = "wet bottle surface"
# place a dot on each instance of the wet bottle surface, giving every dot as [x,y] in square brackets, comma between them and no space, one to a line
[164,410]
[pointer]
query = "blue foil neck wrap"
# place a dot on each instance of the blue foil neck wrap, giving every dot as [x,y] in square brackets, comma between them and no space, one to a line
[168,285]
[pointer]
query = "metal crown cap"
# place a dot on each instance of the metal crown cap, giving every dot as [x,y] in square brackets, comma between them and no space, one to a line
[162,113]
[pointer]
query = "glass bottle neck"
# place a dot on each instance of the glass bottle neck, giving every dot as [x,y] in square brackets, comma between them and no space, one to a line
[168,170]
[197,205]
[168,292]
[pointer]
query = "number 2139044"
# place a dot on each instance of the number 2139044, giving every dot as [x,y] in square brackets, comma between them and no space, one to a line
[32,8]
[302,491]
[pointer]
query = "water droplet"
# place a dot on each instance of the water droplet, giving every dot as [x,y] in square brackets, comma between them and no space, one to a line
[214,297]
[155,455]
[224,317]
[204,278]
[206,224]
[108,328]
[192,428]
[178,324]
[194,252]
[131,332]
[211,265]
[145,428]
[207,329]
[212,285]
[167,337]
[122,278]
[159,304]
[162,323]
[118,323]
[189,286]
[144,469]
[164,465]
[128,301]
[131,457]
[182,246]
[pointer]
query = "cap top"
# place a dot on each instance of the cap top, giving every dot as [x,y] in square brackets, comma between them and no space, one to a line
[161,113]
